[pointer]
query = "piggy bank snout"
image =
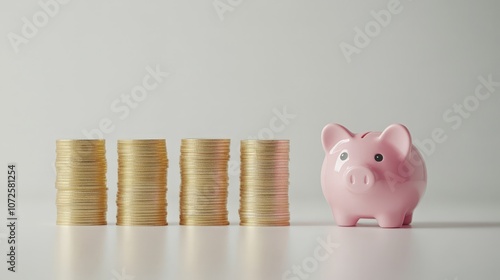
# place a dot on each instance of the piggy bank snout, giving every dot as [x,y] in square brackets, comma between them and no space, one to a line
[359,179]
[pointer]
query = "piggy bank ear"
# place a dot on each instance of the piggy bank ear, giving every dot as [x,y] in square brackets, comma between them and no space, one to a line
[399,137]
[333,133]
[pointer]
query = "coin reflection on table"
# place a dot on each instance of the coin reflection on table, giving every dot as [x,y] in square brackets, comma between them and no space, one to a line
[204,252]
[263,252]
[142,251]
[80,252]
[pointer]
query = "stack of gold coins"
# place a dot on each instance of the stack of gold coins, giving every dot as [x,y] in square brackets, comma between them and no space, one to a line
[142,182]
[204,182]
[81,182]
[264,183]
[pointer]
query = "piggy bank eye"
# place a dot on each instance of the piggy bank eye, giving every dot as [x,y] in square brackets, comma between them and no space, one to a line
[379,157]
[343,156]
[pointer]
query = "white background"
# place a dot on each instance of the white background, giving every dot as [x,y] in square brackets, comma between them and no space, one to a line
[230,73]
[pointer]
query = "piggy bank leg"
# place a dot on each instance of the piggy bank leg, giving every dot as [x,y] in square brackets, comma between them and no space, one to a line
[345,220]
[390,220]
[408,219]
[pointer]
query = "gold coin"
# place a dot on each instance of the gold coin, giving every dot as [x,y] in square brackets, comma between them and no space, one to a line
[204,181]
[264,182]
[142,182]
[81,182]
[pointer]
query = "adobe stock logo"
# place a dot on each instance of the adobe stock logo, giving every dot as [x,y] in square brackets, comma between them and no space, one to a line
[122,106]
[40,19]
[458,113]
[121,276]
[311,264]
[277,124]
[223,6]
[373,28]
[454,117]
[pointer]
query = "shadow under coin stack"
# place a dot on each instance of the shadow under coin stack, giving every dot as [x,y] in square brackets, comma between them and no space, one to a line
[264,183]
[204,182]
[142,182]
[81,182]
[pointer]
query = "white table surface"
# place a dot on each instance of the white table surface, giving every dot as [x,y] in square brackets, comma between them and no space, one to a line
[446,241]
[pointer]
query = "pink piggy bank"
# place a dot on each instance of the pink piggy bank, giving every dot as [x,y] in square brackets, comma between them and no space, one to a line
[375,175]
